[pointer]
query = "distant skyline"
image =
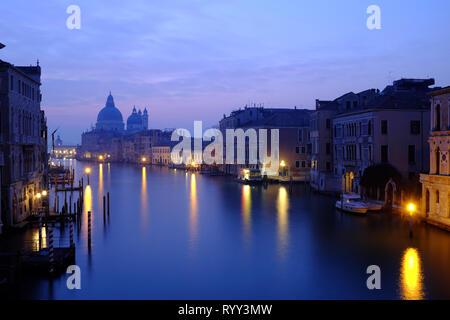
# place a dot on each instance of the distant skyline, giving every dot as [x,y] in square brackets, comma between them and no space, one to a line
[187,60]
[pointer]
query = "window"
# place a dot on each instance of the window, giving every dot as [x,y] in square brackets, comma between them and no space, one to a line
[348,105]
[415,127]
[384,153]
[12,83]
[438,117]
[303,164]
[328,166]
[355,104]
[297,150]
[328,148]
[328,123]
[297,164]
[303,150]
[369,128]
[300,136]
[412,154]
[384,127]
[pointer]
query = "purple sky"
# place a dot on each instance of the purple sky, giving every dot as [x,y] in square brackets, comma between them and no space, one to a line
[196,60]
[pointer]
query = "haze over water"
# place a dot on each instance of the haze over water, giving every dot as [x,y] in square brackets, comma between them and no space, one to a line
[177,235]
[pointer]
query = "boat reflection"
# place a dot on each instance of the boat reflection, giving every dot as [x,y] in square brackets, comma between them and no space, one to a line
[411,277]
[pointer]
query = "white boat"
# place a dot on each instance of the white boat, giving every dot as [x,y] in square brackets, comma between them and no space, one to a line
[372,205]
[352,203]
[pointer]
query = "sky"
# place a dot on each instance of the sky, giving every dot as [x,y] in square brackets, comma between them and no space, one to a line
[187,60]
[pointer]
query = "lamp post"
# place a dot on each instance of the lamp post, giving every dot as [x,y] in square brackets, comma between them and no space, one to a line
[88,171]
[411,209]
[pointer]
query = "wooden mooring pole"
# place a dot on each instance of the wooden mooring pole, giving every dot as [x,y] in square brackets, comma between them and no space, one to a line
[51,254]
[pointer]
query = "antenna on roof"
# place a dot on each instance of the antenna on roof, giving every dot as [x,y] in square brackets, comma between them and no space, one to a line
[37,62]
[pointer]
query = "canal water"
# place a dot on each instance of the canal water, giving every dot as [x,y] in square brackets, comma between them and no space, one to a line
[178,235]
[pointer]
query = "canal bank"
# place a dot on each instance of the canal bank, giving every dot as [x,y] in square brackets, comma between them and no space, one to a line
[180,235]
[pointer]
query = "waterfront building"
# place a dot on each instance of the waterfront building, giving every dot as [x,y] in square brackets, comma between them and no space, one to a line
[435,206]
[294,144]
[23,135]
[108,137]
[321,136]
[161,154]
[387,127]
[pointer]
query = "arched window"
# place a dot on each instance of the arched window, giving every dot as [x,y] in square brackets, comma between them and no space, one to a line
[427,201]
[437,196]
[437,112]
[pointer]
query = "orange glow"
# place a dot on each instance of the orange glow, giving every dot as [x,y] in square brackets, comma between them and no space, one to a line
[87,170]
[193,211]
[411,278]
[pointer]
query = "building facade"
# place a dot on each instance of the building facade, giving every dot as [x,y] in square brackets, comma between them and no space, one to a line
[23,136]
[109,138]
[321,136]
[435,206]
[294,143]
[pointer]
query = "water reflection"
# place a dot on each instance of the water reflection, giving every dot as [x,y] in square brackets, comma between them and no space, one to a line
[193,211]
[246,210]
[411,278]
[144,196]
[282,220]
[100,179]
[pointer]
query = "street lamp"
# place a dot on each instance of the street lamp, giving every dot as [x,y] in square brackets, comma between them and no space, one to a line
[87,170]
[411,209]
[38,195]
[44,193]
[144,159]
[282,164]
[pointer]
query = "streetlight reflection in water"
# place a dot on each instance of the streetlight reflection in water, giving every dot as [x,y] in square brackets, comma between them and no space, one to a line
[411,277]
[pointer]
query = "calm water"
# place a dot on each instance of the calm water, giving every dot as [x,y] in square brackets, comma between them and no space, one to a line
[177,235]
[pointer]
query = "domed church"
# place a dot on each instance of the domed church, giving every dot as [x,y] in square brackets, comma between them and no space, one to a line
[137,121]
[109,118]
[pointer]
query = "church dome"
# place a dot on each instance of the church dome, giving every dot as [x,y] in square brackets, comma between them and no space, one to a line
[110,118]
[134,118]
[109,112]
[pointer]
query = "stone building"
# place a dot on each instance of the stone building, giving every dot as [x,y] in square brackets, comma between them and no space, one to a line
[23,136]
[435,204]
[321,136]
[387,127]
[294,144]
[108,137]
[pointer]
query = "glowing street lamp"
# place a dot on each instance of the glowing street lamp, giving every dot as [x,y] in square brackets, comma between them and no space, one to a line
[38,195]
[100,157]
[88,171]
[144,159]
[282,164]
[411,209]
[44,193]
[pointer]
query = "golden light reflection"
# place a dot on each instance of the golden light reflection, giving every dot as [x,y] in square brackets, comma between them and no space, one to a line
[100,179]
[246,209]
[411,277]
[282,219]
[144,202]
[35,237]
[193,210]
[87,199]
